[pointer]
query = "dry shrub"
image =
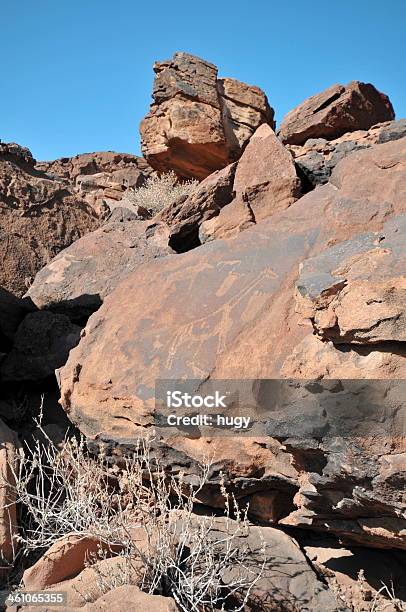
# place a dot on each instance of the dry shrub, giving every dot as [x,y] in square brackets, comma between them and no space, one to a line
[66,490]
[158,192]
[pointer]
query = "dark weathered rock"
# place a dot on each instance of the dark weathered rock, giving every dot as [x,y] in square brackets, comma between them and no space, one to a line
[39,216]
[12,312]
[392,131]
[317,158]
[335,111]
[198,124]
[76,282]
[41,345]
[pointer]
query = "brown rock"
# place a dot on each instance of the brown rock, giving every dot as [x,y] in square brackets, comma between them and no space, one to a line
[244,107]
[355,292]
[9,446]
[232,220]
[39,216]
[41,345]
[335,111]
[99,178]
[100,575]
[226,311]
[185,216]
[265,183]
[131,598]
[198,124]
[126,597]
[65,559]
[76,282]
[312,359]
[184,136]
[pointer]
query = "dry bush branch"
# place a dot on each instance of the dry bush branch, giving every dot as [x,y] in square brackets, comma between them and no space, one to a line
[158,192]
[67,491]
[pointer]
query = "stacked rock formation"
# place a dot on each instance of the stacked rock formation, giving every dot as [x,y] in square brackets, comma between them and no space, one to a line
[198,123]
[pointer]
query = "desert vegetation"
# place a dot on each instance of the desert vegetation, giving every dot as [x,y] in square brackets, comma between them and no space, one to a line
[158,192]
[137,514]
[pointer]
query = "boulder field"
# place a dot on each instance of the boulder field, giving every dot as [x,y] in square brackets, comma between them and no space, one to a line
[285,262]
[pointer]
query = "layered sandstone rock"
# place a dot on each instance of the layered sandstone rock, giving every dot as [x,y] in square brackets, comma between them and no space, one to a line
[100,178]
[39,216]
[197,123]
[239,321]
[317,158]
[355,292]
[335,111]
[77,280]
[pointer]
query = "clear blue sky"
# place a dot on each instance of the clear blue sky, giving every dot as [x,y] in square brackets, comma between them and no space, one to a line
[76,75]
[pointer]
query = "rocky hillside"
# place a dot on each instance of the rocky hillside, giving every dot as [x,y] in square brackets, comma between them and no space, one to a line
[281,270]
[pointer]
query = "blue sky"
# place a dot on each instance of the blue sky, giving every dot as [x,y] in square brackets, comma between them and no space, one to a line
[76,75]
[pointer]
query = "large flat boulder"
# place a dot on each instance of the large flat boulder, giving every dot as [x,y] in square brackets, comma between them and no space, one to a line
[285,580]
[198,124]
[77,280]
[227,311]
[335,111]
[39,216]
